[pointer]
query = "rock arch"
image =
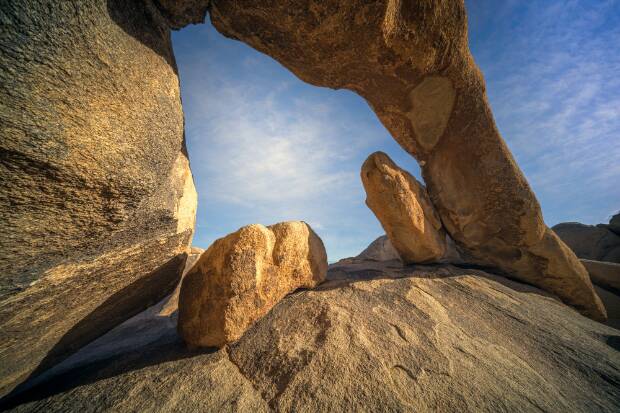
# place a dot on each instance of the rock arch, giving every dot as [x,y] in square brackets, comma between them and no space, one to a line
[96,193]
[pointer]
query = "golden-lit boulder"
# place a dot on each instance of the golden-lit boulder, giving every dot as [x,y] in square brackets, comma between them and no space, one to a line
[402,206]
[240,277]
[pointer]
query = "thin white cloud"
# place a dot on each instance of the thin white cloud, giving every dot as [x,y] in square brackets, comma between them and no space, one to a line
[554,86]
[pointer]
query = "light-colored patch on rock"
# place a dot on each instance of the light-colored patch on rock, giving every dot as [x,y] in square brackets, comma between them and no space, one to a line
[431,105]
[187,203]
[243,275]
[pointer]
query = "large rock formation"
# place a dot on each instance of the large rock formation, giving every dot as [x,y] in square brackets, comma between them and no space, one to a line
[97,201]
[384,338]
[591,242]
[411,62]
[402,206]
[243,275]
[605,274]
[404,209]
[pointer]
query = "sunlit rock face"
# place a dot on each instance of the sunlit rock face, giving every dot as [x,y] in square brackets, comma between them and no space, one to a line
[404,209]
[97,199]
[243,275]
[411,62]
[382,338]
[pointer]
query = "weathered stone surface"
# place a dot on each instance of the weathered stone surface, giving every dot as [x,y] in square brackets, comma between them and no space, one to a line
[180,13]
[404,209]
[384,339]
[591,242]
[97,201]
[380,249]
[243,275]
[411,62]
[605,274]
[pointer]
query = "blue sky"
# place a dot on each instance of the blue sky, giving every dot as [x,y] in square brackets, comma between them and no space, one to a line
[265,147]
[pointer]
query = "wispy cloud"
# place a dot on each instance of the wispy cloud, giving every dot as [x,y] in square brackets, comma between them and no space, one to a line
[265,147]
[552,73]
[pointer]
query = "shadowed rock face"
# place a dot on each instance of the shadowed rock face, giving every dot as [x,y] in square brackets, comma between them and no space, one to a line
[97,201]
[591,242]
[383,338]
[411,62]
[243,275]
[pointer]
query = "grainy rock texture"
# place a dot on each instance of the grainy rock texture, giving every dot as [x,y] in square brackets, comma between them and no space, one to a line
[243,275]
[411,62]
[591,242]
[180,13]
[404,209]
[605,274]
[97,200]
[385,338]
[380,249]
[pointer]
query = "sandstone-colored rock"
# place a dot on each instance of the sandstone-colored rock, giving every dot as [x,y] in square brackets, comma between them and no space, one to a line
[411,62]
[590,242]
[605,274]
[243,275]
[97,200]
[406,213]
[381,249]
[404,209]
[430,339]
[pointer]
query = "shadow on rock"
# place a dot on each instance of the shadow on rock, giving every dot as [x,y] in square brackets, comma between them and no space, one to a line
[116,309]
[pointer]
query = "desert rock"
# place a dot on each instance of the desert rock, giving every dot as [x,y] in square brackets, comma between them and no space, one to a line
[412,64]
[382,339]
[381,249]
[605,274]
[404,209]
[591,242]
[97,201]
[243,275]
